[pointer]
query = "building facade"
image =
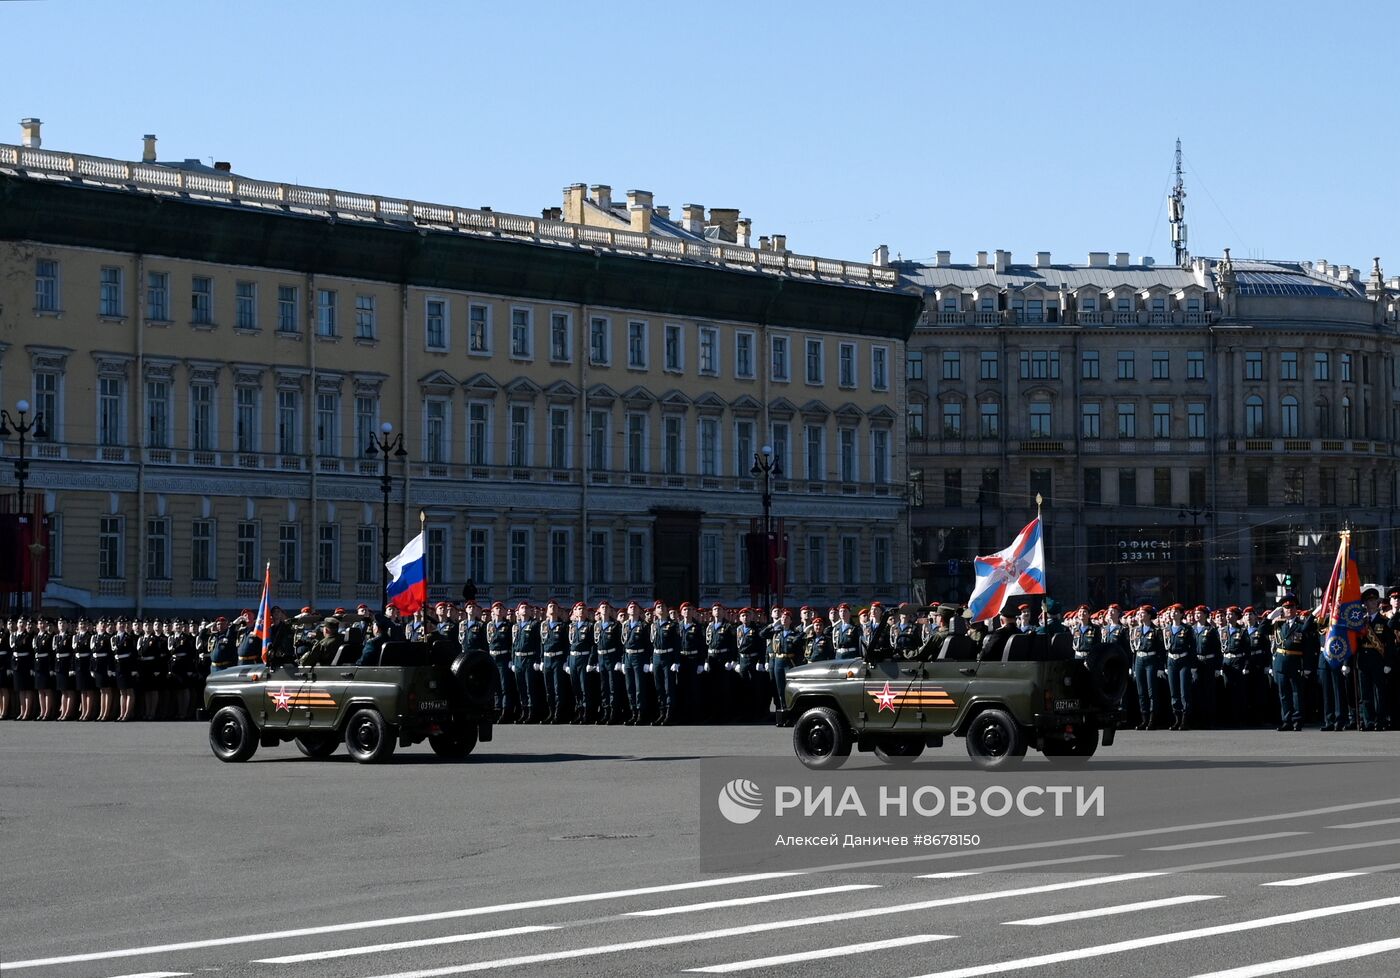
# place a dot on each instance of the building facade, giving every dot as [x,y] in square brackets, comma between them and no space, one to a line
[580,406]
[1193,431]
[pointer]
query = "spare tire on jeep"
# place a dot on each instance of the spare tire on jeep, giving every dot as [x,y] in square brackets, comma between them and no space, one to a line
[1107,665]
[474,674]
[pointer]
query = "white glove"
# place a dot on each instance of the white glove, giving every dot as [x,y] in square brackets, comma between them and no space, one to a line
[647,667]
[514,667]
[1387,670]
[705,667]
[1161,674]
[618,667]
[590,668]
[675,667]
[539,667]
[763,667]
[568,670]
[1346,670]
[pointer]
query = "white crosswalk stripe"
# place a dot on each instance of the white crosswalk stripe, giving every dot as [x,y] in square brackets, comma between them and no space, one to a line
[750,901]
[346,952]
[821,953]
[1223,842]
[1064,918]
[1009,867]
[1304,962]
[1309,880]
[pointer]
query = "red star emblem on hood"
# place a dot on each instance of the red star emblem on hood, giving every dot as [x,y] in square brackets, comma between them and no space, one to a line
[283,699]
[884,699]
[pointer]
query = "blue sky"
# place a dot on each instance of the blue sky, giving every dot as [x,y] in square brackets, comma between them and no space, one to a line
[924,126]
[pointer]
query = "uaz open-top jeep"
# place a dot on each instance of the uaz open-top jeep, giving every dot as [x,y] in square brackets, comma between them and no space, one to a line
[1035,694]
[414,691]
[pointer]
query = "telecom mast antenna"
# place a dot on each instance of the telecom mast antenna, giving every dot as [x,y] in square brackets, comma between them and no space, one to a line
[1176,207]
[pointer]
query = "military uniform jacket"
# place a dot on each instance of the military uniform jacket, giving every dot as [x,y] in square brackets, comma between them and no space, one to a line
[123,652]
[748,642]
[82,652]
[1236,647]
[820,648]
[63,660]
[581,639]
[149,649]
[845,640]
[1147,642]
[1208,650]
[690,638]
[1377,646]
[554,638]
[1115,635]
[498,637]
[181,658]
[1086,638]
[471,633]
[665,637]
[43,654]
[719,641]
[525,640]
[875,641]
[786,644]
[1295,640]
[636,637]
[905,639]
[607,638]
[1180,642]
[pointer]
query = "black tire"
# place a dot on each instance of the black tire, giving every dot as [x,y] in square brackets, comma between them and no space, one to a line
[821,739]
[368,738]
[995,741]
[899,751]
[475,677]
[232,736]
[1109,672]
[318,746]
[1071,753]
[456,743]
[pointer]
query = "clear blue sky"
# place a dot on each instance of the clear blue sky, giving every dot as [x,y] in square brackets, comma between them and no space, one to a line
[924,126]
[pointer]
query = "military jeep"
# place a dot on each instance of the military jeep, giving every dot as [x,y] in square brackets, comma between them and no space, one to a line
[1033,693]
[413,691]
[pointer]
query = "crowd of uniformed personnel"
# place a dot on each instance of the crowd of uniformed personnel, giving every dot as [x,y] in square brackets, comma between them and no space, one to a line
[650,664]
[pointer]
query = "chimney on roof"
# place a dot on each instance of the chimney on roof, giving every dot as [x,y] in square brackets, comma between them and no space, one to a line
[944,259]
[1098,259]
[148,148]
[764,243]
[1042,259]
[727,220]
[639,210]
[602,196]
[663,212]
[779,242]
[745,232]
[1003,258]
[881,257]
[29,133]
[1147,261]
[223,166]
[981,259]
[552,213]
[693,218]
[1121,259]
[574,196]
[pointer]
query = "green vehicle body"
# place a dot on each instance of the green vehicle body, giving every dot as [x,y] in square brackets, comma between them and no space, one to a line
[414,692]
[1036,694]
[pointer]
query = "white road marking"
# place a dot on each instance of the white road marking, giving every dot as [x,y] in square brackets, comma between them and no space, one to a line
[711,935]
[158,974]
[278,935]
[748,901]
[1223,842]
[951,875]
[826,952]
[1269,857]
[1366,825]
[1061,918]
[1307,960]
[1010,866]
[1156,940]
[346,952]
[1308,880]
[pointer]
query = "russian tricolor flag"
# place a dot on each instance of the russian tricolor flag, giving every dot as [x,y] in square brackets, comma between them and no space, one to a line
[408,582]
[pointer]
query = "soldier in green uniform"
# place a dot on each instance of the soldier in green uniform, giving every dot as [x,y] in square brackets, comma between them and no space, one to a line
[1295,639]
[1374,658]
[323,652]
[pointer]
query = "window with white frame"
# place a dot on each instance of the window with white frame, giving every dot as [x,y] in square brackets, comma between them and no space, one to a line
[46,285]
[850,560]
[560,438]
[202,550]
[674,349]
[672,445]
[816,559]
[636,443]
[880,456]
[325,312]
[202,430]
[158,549]
[246,551]
[288,422]
[560,342]
[479,554]
[328,554]
[1127,420]
[743,447]
[743,355]
[109,299]
[521,562]
[110,549]
[202,300]
[48,401]
[778,358]
[327,423]
[365,572]
[522,329]
[709,558]
[952,420]
[245,305]
[781,445]
[1040,419]
[846,365]
[478,328]
[435,555]
[709,351]
[366,317]
[560,557]
[520,419]
[245,418]
[599,440]
[158,297]
[599,341]
[435,448]
[478,433]
[816,452]
[289,553]
[435,324]
[287,314]
[638,567]
[816,362]
[879,368]
[849,454]
[366,423]
[916,419]
[637,344]
[598,563]
[111,398]
[880,559]
[709,446]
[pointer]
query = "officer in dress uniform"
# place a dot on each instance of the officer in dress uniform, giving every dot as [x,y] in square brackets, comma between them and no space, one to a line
[1374,659]
[1179,639]
[665,665]
[1332,675]
[845,637]
[612,685]
[874,635]
[525,662]
[940,628]
[784,652]
[1051,625]
[183,668]
[819,646]
[1295,638]
[471,630]
[554,651]
[43,668]
[690,646]
[904,634]
[1206,667]
[1235,655]
[1149,658]
[751,697]
[719,678]
[324,651]
[499,638]
[1085,635]
[636,662]
[65,668]
[582,665]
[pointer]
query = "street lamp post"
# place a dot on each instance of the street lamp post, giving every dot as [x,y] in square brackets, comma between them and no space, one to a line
[765,464]
[385,444]
[22,427]
[1197,515]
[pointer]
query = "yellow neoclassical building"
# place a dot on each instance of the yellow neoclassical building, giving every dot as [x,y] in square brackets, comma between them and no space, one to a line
[580,404]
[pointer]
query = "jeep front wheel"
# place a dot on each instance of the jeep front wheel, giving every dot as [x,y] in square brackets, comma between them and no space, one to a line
[455,743]
[994,741]
[899,751]
[821,739]
[231,734]
[368,739]
[318,746]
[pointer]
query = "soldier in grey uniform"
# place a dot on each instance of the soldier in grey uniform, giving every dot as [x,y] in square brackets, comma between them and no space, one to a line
[1149,659]
[719,678]
[582,665]
[607,646]
[845,636]
[1235,655]
[499,639]
[554,649]
[1207,666]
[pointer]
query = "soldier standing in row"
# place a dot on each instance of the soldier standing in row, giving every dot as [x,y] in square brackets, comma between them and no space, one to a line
[1206,666]
[819,646]
[665,664]
[720,682]
[1294,637]
[607,647]
[636,658]
[784,652]
[1179,638]
[582,664]
[690,644]
[1148,660]
[1373,665]
[1235,654]
[874,636]
[499,640]
[845,637]
[752,695]
[554,648]
[525,662]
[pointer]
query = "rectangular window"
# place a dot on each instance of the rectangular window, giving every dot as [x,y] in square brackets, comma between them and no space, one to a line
[1327,485]
[158,549]
[1322,366]
[435,324]
[327,424]
[110,549]
[246,548]
[287,313]
[743,355]
[1089,365]
[522,342]
[1041,482]
[158,297]
[1127,487]
[816,453]
[637,344]
[743,448]
[1195,421]
[989,365]
[916,419]
[366,317]
[879,368]
[989,419]
[48,403]
[1257,487]
[709,446]
[478,328]
[1288,366]
[201,300]
[366,427]
[245,418]
[952,365]
[880,559]
[952,419]
[1354,487]
[1161,365]
[157,414]
[638,569]
[636,443]
[560,342]
[598,563]
[850,560]
[55,544]
[1127,420]
[520,435]
[674,360]
[288,422]
[816,560]
[1195,365]
[245,305]
[850,471]
[952,488]
[1040,364]
[879,456]
[1346,367]
[202,432]
[1089,420]
[846,366]
[1196,488]
[709,558]
[1161,420]
[816,363]
[1253,365]
[46,285]
[520,562]
[1127,365]
[599,447]
[478,433]
[599,341]
[671,450]
[109,301]
[1161,487]
[435,554]
[559,557]
[365,572]
[435,431]
[780,443]
[110,398]
[328,554]
[1040,419]
[1093,486]
[325,312]
[289,553]
[914,364]
[780,358]
[709,351]
[478,554]
[560,456]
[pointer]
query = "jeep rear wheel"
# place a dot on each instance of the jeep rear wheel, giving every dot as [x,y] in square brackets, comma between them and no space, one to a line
[368,739]
[1073,751]
[232,736]
[455,743]
[994,740]
[318,746]
[899,751]
[820,739]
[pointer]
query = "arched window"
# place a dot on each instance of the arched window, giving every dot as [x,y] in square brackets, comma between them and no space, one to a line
[1324,418]
[1253,416]
[1289,416]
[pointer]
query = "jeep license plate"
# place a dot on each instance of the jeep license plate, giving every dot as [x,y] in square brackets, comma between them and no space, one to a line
[432,706]
[1066,704]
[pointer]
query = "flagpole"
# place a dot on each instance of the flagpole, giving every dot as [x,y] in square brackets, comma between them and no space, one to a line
[423,532]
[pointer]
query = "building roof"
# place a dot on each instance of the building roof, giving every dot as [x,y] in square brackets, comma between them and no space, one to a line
[969,277]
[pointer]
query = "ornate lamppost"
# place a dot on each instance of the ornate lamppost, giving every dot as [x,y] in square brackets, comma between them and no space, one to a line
[385,444]
[23,426]
[770,467]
